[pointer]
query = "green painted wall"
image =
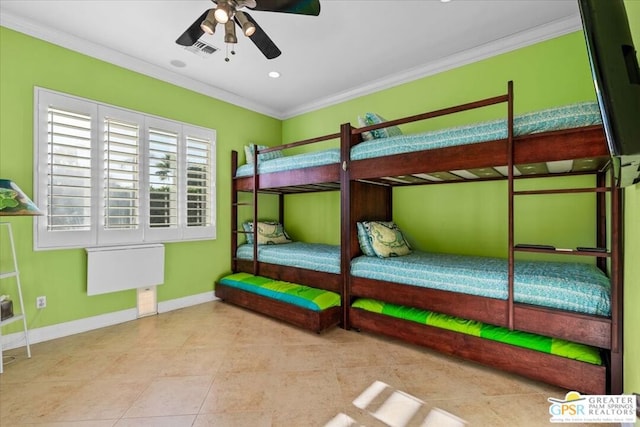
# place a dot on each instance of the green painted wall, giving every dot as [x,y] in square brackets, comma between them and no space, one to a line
[191,267]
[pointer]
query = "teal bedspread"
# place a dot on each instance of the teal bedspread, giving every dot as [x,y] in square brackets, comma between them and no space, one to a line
[541,343]
[576,287]
[298,161]
[566,117]
[312,256]
[291,293]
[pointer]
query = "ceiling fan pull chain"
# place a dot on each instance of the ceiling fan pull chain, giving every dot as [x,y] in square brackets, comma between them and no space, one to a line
[233,52]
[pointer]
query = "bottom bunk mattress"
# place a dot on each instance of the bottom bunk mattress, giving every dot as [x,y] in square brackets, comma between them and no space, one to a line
[303,306]
[291,293]
[571,286]
[527,340]
[311,256]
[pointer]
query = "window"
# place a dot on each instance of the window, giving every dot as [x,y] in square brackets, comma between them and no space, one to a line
[108,176]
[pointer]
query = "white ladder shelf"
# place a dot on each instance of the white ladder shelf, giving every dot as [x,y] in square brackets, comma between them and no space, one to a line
[19,316]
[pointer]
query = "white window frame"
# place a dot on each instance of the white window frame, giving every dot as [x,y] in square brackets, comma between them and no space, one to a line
[97,235]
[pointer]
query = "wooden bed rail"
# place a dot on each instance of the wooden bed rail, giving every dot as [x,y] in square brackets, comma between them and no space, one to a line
[437,113]
[300,143]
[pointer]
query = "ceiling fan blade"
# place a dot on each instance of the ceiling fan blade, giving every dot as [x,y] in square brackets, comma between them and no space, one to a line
[193,33]
[300,7]
[261,39]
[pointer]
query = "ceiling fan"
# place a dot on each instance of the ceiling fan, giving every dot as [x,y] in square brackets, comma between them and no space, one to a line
[227,12]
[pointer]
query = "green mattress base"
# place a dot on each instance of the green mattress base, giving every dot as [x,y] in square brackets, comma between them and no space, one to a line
[291,293]
[528,340]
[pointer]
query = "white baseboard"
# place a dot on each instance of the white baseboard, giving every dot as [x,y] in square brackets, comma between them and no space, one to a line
[73,327]
[178,303]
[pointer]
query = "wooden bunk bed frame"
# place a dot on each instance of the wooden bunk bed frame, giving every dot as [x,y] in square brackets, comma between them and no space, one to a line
[366,193]
[367,196]
[311,179]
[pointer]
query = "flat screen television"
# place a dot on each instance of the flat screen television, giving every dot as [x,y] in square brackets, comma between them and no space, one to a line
[616,76]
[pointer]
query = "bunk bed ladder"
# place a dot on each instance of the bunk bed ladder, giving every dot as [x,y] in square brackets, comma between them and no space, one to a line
[235,204]
[510,166]
[234,213]
[613,209]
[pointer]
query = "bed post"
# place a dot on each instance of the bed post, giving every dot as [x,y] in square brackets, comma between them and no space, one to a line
[510,166]
[345,220]
[255,209]
[617,300]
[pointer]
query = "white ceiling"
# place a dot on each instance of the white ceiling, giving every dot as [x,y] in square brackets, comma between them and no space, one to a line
[353,47]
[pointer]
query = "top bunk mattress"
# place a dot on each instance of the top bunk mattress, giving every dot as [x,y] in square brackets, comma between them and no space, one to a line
[297,161]
[311,256]
[572,286]
[566,117]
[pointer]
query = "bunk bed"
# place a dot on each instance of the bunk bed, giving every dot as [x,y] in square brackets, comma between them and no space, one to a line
[305,266]
[365,172]
[372,304]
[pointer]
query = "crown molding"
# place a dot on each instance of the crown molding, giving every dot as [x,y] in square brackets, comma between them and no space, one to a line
[506,44]
[112,56]
[516,41]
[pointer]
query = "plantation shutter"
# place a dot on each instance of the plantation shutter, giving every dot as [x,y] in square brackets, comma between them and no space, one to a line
[107,176]
[65,165]
[198,181]
[199,169]
[120,160]
[68,170]
[121,144]
[162,151]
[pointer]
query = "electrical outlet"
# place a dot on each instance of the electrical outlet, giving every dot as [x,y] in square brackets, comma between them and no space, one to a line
[41,302]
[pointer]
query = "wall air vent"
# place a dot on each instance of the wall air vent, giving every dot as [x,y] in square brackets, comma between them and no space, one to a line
[202,49]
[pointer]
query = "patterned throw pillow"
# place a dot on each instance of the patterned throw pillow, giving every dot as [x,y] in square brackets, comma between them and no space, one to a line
[269,233]
[366,136]
[386,239]
[248,153]
[374,119]
[365,242]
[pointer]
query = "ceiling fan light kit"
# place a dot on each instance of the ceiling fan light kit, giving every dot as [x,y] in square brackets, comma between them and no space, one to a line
[230,33]
[247,26]
[224,12]
[227,12]
[209,24]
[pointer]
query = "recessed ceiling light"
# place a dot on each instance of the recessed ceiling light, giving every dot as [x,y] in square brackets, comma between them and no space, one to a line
[274,74]
[178,63]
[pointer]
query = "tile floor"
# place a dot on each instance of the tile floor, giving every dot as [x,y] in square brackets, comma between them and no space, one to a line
[219,365]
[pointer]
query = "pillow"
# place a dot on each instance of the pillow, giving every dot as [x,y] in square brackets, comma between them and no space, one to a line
[386,239]
[269,233]
[366,136]
[374,119]
[365,242]
[248,153]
